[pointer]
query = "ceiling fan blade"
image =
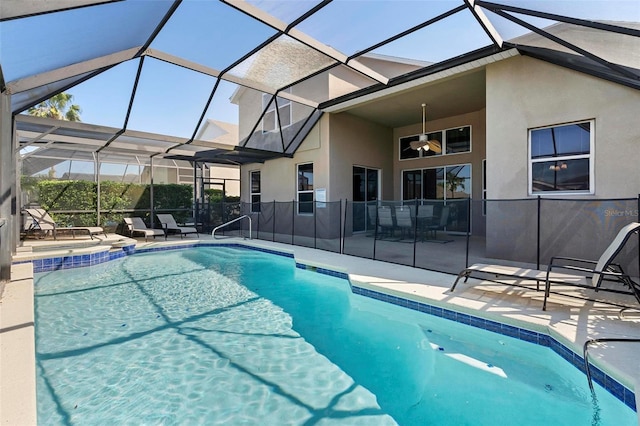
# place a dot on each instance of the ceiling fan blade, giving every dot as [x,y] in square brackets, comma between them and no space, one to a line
[417,144]
[435,146]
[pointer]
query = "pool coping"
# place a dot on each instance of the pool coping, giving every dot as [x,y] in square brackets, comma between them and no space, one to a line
[18,338]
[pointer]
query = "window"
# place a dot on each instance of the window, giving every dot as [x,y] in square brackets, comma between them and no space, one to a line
[560,158]
[450,185]
[271,116]
[438,183]
[255,192]
[412,185]
[406,152]
[459,140]
[305,188]
[452,141]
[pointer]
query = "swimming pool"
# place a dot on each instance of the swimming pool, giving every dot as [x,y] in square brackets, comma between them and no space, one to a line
[225,335]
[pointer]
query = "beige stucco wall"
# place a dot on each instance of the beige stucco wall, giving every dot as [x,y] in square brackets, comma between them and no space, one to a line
[278,177]
[353,142]
[357,142]
[524,93]
[478,144]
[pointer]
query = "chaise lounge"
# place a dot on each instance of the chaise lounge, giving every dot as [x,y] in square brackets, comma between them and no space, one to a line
[169,225]
[588,273]
[137,226]
[42,222]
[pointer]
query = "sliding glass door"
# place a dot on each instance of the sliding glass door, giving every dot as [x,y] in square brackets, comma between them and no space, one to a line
[366,192]
[451,184]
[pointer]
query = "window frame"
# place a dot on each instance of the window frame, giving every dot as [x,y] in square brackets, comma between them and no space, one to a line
[590,156]
[443,132]
[270,105]
[444,167]
[305,191]
[253,194]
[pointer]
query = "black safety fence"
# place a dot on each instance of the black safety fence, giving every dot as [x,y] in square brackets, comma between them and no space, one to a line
[438,235]
[448,235]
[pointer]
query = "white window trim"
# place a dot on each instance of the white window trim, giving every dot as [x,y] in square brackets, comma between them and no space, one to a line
[590,156]
[251,193]
[298,191]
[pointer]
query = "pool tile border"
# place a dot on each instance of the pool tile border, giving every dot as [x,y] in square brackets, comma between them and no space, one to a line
[81,260]
[614,387]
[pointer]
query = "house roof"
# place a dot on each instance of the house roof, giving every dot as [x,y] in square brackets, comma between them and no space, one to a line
[176,63]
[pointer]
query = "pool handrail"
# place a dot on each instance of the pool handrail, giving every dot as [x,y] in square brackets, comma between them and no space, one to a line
[213,233]
[585,353]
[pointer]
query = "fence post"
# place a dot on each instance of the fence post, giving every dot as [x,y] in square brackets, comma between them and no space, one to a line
[415,231]
[293,220]
[538,236]
[273,235]
[343,224]
[259,215]
[315,224]
[469,205]
[375,233]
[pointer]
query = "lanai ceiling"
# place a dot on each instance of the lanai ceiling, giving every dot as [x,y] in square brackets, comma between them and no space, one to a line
[155,73]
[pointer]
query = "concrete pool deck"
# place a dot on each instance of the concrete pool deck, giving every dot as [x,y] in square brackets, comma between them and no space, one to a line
[569,320]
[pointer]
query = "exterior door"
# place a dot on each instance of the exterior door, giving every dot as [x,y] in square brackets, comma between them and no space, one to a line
[366,191]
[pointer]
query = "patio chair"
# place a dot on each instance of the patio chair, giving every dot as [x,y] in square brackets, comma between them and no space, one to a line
[385,221]
[42,222]
[404,221]
[424,218]
[137,226]
[169,225]
[589,273]
[440,226]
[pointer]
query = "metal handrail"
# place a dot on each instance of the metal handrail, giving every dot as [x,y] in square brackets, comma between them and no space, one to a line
[585,352]
[213,233]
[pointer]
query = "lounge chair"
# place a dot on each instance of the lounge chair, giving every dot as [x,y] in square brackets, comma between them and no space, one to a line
[169,225]
[42,222]
[137,226]
[589,273]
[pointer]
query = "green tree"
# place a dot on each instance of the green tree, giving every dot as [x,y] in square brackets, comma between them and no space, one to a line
[60,107]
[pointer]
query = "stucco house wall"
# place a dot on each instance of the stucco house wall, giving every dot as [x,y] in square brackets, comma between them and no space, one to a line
[278,177]
[525,93]
[357,142]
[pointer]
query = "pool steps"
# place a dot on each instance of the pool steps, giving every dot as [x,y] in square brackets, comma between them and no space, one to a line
[76,258]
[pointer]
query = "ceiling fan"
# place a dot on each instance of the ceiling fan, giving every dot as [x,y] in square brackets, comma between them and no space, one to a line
[423,142]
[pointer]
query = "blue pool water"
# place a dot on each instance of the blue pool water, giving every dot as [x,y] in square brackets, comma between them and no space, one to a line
[224,335]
